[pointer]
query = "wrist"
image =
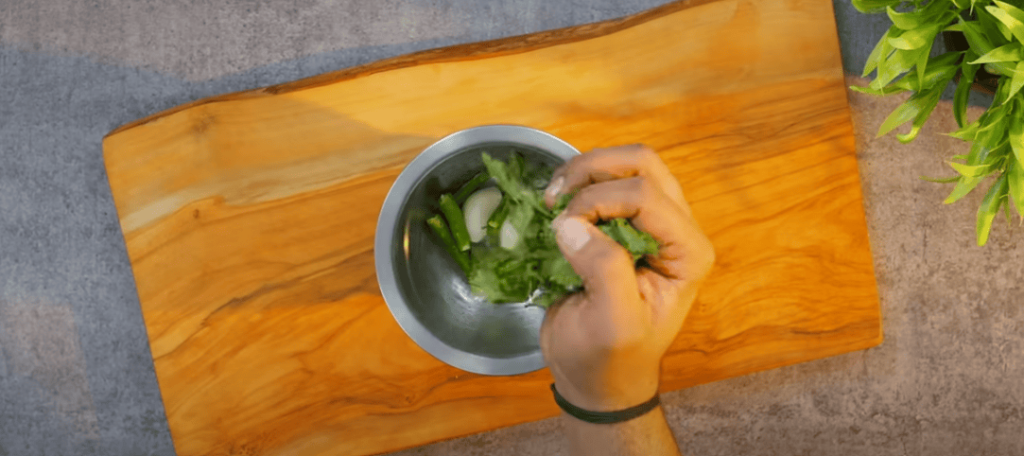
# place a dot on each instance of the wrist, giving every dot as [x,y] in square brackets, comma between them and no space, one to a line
[608,417]
[609,400]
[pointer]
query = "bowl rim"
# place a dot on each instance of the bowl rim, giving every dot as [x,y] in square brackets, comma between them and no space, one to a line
[387,221]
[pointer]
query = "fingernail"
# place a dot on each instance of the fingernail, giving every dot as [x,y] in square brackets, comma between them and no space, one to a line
[571,233]
[555,187]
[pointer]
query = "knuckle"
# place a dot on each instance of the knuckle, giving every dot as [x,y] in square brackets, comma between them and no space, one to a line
[583,164]
[586,198]
[645,190]
[649,160]
[647,155]
[643,185]
[569,169]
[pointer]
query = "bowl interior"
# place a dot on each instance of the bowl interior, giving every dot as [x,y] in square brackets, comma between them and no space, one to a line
[432,285]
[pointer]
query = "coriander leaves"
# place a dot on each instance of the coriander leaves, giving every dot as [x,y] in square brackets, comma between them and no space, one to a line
[532,270]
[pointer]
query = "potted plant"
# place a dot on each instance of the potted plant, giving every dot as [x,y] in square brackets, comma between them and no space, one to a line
[993,32]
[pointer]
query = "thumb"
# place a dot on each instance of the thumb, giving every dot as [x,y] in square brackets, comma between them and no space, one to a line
[605,266]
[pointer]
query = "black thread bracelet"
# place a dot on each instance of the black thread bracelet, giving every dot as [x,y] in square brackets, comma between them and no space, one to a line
[606,417]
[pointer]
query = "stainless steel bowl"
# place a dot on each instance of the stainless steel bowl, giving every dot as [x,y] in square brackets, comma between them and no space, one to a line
[424,288]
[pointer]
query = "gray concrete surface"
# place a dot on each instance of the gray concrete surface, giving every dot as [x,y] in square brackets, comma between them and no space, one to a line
[76,375]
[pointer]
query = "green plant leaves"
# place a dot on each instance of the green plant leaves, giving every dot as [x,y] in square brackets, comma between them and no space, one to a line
[887,90]
[1001,94]
[967,133]
[922,16]
[990,135]
[1017,132]
[1016,140]
[1002,60]
[1007,208]
[913,47]
[963,88]
[881,52]
[899,62]
[928,105]
[1015,181]
[920,105]
[1010,16]
[939,69]
[992,27]
[971,170]
[1017,81]
[922,61]
[1012,11]
[940,180]
[976,37]
[916,38]
[963,187]
[1015,170]
[905,112]
[986,152]
[1017,13]
[992,128]
[1005,31]
[980,43]
[1007,53]
[900,50]
[996,40]
[873,6]
[989,207]
[905,21]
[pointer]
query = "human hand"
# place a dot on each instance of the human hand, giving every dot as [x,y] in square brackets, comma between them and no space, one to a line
[604,345]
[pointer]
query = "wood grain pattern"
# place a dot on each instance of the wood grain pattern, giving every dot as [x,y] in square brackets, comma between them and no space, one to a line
[249,220]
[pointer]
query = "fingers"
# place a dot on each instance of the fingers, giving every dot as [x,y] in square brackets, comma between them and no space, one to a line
[605,266]
[609,281]
[684,252]
[601,165]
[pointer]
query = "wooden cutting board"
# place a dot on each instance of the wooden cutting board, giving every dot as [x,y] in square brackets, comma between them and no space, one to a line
[249,220]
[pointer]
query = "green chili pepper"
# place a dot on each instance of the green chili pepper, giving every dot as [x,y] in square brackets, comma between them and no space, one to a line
[463,194]
[456,222]
[460,257]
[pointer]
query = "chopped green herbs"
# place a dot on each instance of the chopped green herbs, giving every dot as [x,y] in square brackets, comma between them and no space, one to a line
[533,270]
